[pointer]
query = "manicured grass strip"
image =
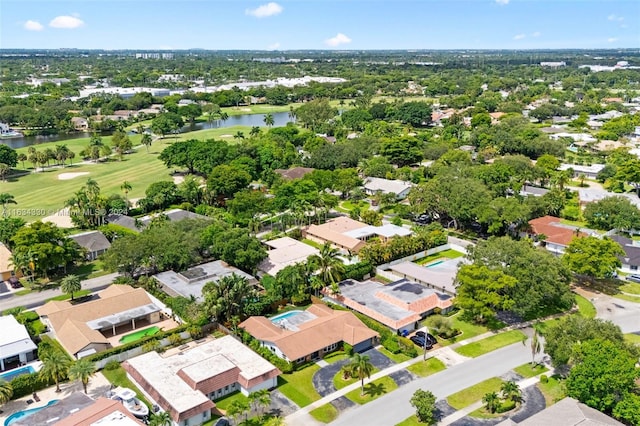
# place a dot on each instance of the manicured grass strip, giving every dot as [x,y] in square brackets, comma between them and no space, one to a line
[468,396]
[339,382]
[411,421]
[312,243]
[118,377]
[373,390]
[526,370]
[325,413]
[76,295]
[23,292]
[633,288]
[335,357]
[224,402]
[297,386]
[553,390]
[397,358]
[585,308]
[468,329]
[492,343]
[632,338]
[628,298]
[427,368]
[447,254]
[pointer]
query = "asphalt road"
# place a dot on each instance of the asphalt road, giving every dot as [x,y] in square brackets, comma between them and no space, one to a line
[395,407]
[38,298]
[623,313]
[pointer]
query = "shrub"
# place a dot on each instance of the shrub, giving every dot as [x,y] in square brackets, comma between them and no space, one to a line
[27,316]
[295,233]
[112,365]
[506,406]
[347,348]
[175,339]
[391,345]
[35,328]
[151,345]
[27,384]
[544,379]
[357,271]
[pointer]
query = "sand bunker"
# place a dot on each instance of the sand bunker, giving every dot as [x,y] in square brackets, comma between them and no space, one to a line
[67,176]
[226,136]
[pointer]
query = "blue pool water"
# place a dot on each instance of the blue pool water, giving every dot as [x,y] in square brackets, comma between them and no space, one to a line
[285,316]
[21,414]
[10,375]
[434,264]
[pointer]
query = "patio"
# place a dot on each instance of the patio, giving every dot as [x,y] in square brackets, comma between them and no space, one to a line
[123,330]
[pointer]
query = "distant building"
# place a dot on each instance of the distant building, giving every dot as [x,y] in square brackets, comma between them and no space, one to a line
[553,64]
[399,188]
[174,215]
[556,236]
[590,171]
[93,242]
[80,123]
[16,346]
[185,382]
[300,336]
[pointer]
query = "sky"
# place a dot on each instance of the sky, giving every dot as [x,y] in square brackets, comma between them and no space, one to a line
[319,24]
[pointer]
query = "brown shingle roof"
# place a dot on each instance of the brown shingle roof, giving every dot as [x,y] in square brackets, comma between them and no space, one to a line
[294,173]
[101,408]
[332,231]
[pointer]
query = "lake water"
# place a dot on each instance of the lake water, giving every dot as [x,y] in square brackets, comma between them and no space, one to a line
[250,120]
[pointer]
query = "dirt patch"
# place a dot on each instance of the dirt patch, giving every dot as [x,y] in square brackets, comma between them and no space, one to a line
[68,176]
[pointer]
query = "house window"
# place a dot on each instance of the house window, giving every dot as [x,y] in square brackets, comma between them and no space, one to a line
[634,267]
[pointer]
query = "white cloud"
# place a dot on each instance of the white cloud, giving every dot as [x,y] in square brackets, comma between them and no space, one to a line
[273,46]
[33,26]
[269,9]
[536,34]
[503,2]
[519,36]
[612,39]
[338,40]
[66,22]
[614,17]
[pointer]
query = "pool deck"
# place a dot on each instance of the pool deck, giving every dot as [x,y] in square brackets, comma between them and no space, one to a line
[164,325]
[98,386]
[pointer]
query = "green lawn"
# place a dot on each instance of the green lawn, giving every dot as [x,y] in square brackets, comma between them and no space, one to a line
[335,357]
[553,390]
[526,370]
[585,308]
[372,390]
[297,386]
[411,421]
[426,368]
[632,338]
[312,243]
[633,288]
[350,205]
[339,382]
[628,298]
[447,254]
[492,343]
[325,413]
[397,358]
[468,329]
[224,402]
[468,396]
[76,295]
[225,134]
[118,377]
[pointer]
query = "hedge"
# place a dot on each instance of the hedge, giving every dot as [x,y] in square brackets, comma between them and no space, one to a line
[27,384]
[357,271]
[283,365]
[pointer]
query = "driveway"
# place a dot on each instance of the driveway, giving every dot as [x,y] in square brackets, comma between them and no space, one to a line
[281,405]
[323,379]
[623,313]
[378,360]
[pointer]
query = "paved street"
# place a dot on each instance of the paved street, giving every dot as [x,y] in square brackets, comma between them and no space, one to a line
[395,407]
[37,298]
[623,313]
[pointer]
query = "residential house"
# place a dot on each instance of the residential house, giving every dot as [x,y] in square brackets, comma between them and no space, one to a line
[294,172]
[400,305]
[124,221]
[351,235]
[300,336]
[566,412]
[577,137]
[93,242]
[631,258]
[174,215]
[191,282]
[590,171]
[86,328]
[439,275]
[125,113]
[556,236]
[532,191]
[285,252]
[399,188]
[16,346]
[80,123]
[7,269]
[184,382]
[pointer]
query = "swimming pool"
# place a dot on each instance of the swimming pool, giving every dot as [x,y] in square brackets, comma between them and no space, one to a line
[24,413]
[12,374]
[430,265]
[286,315]
[132,337]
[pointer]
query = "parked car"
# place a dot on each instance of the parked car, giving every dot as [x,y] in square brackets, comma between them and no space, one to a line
[635,278]
[420,341]
[430,338]
[15,282]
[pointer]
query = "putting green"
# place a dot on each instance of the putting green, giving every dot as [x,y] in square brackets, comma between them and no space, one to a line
[128,338]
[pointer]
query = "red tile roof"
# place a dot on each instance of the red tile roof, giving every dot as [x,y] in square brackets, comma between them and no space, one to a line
[550,227]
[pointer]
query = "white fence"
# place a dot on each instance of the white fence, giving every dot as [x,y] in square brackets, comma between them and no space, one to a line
[123,356]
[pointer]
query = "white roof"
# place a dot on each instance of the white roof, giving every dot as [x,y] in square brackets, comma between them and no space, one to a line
[14,338]
[203,361]
[286,251]
[387,186]
[594,168]
[387,231]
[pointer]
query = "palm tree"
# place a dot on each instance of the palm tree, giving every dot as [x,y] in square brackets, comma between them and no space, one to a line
[239,135]
[55,366]
[62,153]
[5,199]
[4,170]
[492,401]
[22,157]
[224,116]
[161,418]
[126,187]
[292,114]
[360,367]
[275,421]
[237,408]
[268,119]
[6,391]
[536,345]
[146,140]
[264,400]
[70,284]
[582,178]
[226,298]
[82,370]
[255,131]
[511,391]
[327,261]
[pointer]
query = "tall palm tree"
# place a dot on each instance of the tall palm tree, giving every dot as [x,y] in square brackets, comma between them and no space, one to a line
[535,345]
[492,401]
[255,131]
[126,187]
[22,157]
[61,154]
[82,370]
[146,140]
[224,116]
[327,261]
[161,418]
[239,135]
[226,298]
[360,367]
[70,284]
[292,114]
[6,198]
[268,119]
[6,391]
[4,170]
[55,366]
